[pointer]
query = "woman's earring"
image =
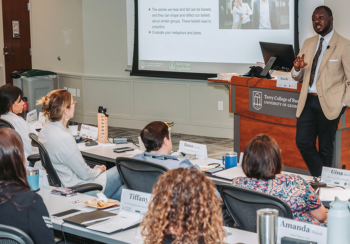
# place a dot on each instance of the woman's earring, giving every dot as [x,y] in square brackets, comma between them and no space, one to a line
[66,119]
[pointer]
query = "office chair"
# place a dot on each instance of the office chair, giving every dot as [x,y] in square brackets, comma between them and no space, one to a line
[5,124]
[242,204]
[31,158]
[139,175]
[50,170]
[12,235]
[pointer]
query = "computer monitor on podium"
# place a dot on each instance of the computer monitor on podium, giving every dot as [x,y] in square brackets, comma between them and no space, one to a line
[277,57]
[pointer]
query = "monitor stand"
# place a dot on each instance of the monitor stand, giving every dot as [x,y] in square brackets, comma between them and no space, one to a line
[266,72]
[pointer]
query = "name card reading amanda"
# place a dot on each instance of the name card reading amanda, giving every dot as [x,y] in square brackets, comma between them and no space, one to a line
[88,131]
[301,230]
[134,201]
[199,150]
[338,177]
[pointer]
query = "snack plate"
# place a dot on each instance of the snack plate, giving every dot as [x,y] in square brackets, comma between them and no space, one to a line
[93,203]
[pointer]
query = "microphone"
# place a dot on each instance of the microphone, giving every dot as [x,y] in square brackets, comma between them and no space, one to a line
[328,47]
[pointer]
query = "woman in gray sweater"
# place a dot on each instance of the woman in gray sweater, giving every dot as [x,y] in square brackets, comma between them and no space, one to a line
[64,153]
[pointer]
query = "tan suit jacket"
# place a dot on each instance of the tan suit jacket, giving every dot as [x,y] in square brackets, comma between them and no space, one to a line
[332,75]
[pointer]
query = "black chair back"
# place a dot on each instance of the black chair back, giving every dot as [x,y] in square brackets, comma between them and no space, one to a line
[5,124]
[45,160]
[139,175]
[243,205]
[12,235]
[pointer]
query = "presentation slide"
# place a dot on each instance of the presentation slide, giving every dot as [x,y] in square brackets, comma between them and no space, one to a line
[208,36]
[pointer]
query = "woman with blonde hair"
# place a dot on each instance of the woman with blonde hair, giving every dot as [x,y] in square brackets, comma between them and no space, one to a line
[64,153]
[184,209]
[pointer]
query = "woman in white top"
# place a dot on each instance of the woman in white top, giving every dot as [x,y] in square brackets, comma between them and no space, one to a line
[64,153]
[11,104]
[247,12]
[237,15]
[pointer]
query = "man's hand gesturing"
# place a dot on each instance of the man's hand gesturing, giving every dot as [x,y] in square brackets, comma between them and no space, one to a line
[299,63]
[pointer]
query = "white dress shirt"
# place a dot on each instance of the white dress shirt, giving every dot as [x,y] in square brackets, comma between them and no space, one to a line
[265,22]
[23,129]
[246,12]
[327,39]
[66,157]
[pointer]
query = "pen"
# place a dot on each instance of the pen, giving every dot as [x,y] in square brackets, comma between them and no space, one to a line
[95,220]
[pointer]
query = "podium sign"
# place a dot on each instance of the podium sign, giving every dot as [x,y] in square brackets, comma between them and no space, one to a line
[273,102]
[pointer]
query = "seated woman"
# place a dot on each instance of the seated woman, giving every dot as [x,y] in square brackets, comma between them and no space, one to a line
[155,136]
[64,153]
[19,206]
[184,209]
[11,104]
[262,164]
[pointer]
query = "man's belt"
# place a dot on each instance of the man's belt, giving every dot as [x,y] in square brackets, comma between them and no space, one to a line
[313,94]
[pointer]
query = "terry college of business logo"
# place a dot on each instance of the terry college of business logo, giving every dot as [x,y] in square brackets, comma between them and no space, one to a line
[257,100]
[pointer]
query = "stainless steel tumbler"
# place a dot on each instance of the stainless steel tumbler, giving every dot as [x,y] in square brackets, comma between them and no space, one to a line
[267,225]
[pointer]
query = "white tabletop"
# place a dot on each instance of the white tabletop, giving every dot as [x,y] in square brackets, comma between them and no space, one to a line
[56,204]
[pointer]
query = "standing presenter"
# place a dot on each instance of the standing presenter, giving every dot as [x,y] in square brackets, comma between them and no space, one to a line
[323,65]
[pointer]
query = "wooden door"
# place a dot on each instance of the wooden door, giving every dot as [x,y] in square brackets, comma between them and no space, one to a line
[16,29]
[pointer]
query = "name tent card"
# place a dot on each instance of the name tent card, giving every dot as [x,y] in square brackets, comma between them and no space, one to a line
[134,201]
[286,82]
[88,131]
[301,231]
[32,116]
[337,177]
[199,150]
[133,206]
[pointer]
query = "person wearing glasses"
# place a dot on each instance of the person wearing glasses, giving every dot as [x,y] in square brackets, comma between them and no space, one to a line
[64,153]
[11,104]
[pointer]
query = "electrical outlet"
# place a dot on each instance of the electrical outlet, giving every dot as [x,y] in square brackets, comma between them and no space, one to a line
[220,105]
[78,92]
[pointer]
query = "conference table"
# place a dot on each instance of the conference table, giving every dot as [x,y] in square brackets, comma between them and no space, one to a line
[105,154]
[56,204]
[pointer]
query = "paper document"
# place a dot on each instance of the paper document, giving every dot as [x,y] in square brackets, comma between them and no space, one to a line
[230,174]
[122,221]
[329,194]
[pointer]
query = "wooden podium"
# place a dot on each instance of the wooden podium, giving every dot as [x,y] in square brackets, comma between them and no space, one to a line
[260,107]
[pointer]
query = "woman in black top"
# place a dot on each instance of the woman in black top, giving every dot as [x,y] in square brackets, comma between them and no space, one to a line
[19,206]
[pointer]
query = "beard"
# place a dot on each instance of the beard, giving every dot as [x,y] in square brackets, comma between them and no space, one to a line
[325,29]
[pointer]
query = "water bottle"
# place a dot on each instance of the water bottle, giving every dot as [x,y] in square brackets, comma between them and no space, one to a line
[102,123]
[25,108]
[338,222]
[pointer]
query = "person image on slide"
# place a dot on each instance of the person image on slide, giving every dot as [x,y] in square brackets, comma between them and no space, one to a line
[323,65]
[247,12]
[265,15]
[237,15]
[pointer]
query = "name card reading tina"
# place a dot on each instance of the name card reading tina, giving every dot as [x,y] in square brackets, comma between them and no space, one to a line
[88,131]
[301,231]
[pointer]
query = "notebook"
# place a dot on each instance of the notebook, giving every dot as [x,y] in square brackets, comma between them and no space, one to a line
[80,219]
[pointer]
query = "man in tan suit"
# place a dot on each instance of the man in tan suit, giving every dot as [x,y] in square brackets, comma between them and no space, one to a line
[323,65]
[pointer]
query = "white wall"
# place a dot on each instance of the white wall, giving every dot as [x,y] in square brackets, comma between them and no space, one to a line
[105,38]
[57,30]
[340,9]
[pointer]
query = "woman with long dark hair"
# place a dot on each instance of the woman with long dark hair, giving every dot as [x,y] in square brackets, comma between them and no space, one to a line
[11,104]
[184,209]
[19,206]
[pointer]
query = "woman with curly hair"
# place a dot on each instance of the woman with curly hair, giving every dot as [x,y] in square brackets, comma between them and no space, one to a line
[184,209]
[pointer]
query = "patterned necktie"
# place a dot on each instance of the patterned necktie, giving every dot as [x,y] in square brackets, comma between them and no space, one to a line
[314,63]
